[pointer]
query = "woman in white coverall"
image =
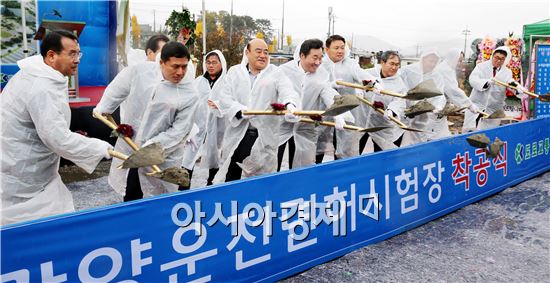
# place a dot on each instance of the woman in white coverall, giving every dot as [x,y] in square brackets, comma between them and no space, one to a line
[486,94]
[35,133]
[412,75]
[250,142]
[312,83]
[208,118]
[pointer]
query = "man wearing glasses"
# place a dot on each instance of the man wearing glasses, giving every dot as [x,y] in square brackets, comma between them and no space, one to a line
[250,143]
[35,133]
[486,95]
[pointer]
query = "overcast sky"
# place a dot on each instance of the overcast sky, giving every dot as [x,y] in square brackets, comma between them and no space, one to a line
[400,22]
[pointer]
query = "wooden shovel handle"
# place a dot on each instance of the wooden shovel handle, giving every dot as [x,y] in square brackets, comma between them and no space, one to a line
[118,155]
[395,120]
[330,124]
[282,112]
[386,92]
[113,126]
[516,88]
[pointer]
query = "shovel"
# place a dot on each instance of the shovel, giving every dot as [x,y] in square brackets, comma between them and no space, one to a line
[425,89]
[349,127]
[500,115]
[419,108]
[478,140]
[542,97]
[450,109]
[395,120]
[174,175]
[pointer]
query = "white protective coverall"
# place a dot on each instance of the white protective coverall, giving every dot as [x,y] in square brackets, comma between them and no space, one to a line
[436,128]
[238,94]
[35,133]
[210,122]
[447,70]
[490,98]
[348,70]
[316,93]
[385,138]
[132,90]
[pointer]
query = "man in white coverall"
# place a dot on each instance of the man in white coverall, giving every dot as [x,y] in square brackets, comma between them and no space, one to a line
[35,133]
[342,68]
[250,142]
[447,70]
[486,94]
[433,126]
[208,118]
[170,99]
[312,83]
[387,73]
[131,90]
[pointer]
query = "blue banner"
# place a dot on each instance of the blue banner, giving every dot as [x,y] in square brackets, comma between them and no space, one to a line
[542,79]
[270,227]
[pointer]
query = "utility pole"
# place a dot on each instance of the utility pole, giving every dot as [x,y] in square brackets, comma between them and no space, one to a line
[417,49]
[329,20]
[333,20]
[24,29]
[283,27]
[465,33]
[203,30]
[154,21]
[231,24]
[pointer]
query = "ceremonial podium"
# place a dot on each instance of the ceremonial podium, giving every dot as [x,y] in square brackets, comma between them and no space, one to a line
[76,28]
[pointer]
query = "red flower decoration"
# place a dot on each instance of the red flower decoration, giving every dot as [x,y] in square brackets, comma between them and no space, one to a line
[316,118]
[125,130]
[81,132]
[185,31]
[278,106]
[379,104]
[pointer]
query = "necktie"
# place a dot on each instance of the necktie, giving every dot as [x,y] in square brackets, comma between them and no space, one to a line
[494,71]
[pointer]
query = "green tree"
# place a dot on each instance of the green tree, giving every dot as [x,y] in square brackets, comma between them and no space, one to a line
[218,35]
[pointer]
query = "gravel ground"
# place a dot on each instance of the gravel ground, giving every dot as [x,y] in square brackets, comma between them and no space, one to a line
[504,238]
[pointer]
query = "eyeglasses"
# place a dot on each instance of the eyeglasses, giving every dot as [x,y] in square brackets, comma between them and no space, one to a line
[75,55]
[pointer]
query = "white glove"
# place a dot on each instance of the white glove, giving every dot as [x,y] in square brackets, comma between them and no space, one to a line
[107,148]
[289,115]
[336,86]
[339,123]
[473,108]
[388,114]
[192,137]
[377,88]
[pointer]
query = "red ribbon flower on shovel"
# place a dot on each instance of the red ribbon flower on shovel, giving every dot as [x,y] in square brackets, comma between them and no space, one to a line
[379,104]
[278,106]
[123,130]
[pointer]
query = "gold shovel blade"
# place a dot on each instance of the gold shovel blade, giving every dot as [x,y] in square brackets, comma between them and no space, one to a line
[423,90]
[152,154]
[174,175]
[342,103]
